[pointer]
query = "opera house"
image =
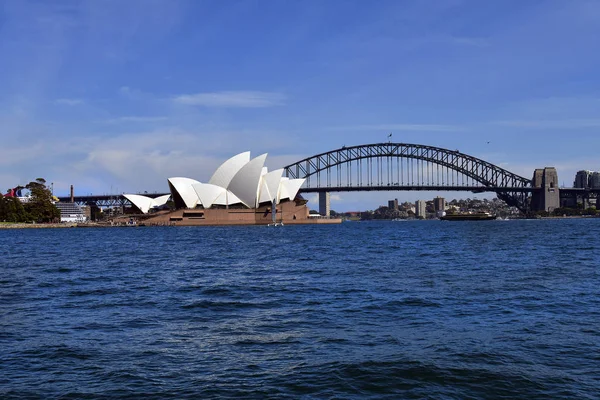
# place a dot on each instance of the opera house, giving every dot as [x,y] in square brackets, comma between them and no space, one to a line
[240,192]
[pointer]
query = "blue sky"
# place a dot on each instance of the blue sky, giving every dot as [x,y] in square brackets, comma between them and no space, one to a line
[121,95]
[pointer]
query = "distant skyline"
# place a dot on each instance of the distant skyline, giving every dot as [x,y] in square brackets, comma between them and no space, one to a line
[121,95]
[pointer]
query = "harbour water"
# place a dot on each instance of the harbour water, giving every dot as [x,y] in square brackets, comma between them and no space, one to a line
[416,309]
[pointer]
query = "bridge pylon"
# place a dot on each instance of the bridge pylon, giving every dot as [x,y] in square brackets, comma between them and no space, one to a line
[324,204]
[547,196]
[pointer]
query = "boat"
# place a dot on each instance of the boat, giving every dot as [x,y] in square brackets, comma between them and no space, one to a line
[479,216]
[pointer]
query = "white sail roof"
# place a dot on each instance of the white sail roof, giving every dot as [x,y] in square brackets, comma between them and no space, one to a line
[245,183]
[289,188]
[145,203]
[269,188]
[161,200]
[227,198]
[226,171]
[208,193]
[183,187]
[238,180]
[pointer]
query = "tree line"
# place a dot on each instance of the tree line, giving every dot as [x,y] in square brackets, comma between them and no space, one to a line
[40,207]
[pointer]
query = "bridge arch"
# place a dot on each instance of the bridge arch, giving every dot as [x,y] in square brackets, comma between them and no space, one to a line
[396,166]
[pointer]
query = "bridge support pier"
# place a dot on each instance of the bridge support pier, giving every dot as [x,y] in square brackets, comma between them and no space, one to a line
[547,198]
[324,204]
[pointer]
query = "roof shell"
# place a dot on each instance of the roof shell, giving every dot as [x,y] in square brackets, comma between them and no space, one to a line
[161,200]
[269,189]
[183,188]
[208,193]
[245,183]
[227,198]
[145,203]
[226,171]
[289,188]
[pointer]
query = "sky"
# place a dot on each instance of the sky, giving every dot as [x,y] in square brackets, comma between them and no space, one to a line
[118,96]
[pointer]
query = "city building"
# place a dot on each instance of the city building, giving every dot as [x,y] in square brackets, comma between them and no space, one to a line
[87,212]
[595,180]
[393,204]
[583,179]
[421,209]
[71,212]
[439,204]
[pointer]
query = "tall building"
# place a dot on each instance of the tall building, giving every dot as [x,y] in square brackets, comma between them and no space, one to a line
[582,179]
[439,204]
[595,180]
[421,209]
[393,204]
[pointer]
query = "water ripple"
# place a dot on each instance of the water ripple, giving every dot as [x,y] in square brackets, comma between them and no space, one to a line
[355,311]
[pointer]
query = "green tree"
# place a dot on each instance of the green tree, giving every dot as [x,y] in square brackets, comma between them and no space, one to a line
[40,206]
[591,211]
[12,210]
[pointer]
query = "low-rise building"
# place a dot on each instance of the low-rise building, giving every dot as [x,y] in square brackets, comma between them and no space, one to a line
[71,212]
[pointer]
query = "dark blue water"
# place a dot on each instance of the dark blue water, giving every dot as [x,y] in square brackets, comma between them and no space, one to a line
[454,310]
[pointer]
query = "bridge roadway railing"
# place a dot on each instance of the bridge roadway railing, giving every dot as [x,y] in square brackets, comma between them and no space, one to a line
[117,200]
[436,188]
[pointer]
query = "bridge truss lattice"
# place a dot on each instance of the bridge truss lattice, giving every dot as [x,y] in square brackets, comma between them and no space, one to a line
[402,166]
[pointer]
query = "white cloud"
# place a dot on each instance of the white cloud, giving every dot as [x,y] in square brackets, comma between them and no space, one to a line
[135,161]
[232,99]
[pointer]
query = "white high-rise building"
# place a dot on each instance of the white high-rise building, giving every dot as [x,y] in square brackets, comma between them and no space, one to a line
[421,209]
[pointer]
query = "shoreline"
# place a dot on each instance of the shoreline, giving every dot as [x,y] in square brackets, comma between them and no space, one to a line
[62,225]
[20,225]
[8,226]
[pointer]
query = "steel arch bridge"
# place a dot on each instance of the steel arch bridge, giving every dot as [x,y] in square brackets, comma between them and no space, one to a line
[402,166]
